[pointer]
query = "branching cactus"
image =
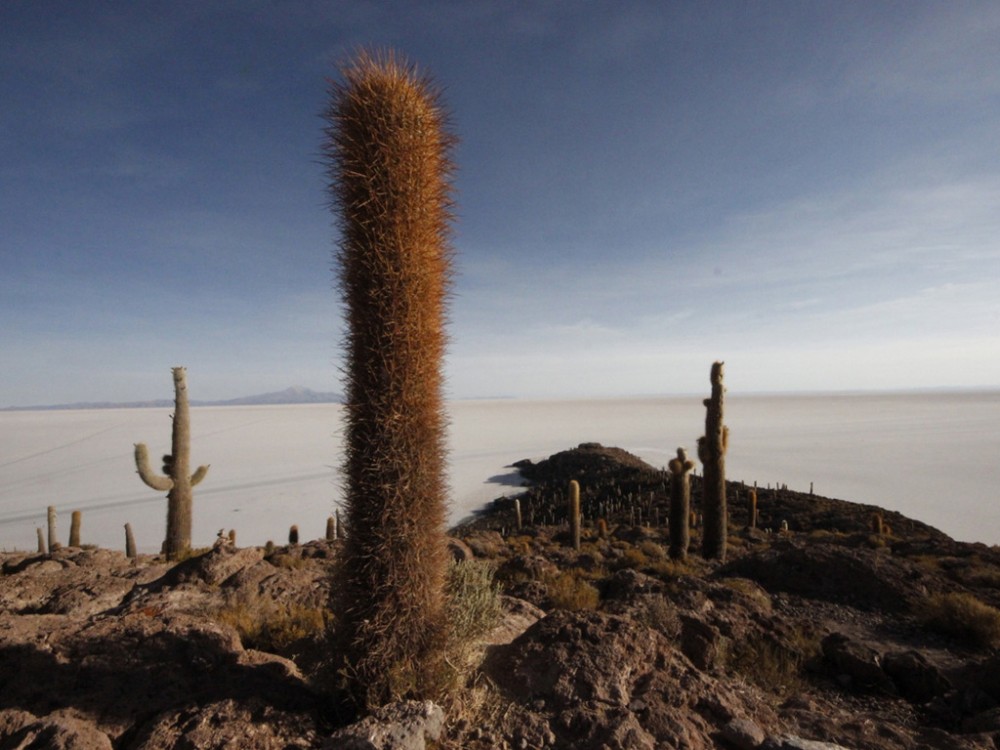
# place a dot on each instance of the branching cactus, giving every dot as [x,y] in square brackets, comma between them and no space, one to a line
[712,453]
[389,166]
[177,481]
[680,504]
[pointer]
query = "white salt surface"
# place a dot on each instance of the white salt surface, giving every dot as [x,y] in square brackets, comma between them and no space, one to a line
[933,457]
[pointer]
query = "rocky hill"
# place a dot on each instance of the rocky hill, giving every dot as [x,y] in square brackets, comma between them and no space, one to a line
[820,636]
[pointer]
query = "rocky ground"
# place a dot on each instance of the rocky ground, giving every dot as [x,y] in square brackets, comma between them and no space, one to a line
[823,635]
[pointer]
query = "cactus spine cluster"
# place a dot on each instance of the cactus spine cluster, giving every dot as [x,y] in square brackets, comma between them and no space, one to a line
[712,454]
[574,513]
[680,504]
[177,481]
[389,166]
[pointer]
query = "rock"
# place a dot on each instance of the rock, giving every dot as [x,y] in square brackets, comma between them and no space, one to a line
[856,576]
[857,662]
[247,725]
[700,641]
[459,550]
[915,678]
[20,729]
[405,725]
[743,734]
[790,742]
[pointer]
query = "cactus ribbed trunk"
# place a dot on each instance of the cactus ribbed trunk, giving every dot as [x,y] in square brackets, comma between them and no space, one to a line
[51,519]
[680,505]
[41,540]
[177,481]
[74,528]
[389,170]
[574,513]
[130,551]
[712,453]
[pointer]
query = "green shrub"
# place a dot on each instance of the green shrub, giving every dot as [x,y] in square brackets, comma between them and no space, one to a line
[962,616]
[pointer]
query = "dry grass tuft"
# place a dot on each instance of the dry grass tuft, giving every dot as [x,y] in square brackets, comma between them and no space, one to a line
[962,616]
[266,625]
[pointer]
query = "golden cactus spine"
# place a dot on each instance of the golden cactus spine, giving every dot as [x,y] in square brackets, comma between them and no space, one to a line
[177,480]
[389,165]
[680,504]
[712,453]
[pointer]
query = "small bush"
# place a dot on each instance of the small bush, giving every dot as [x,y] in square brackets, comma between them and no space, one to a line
[652,550]
[473,599]
[567,591]
[772,664]
[266,625]
[963,616]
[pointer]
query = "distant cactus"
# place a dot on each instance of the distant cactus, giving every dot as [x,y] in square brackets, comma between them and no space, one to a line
[53,539]
[602,529]
[130,552]
[389,166]
[331,529]
[269,548]
[574,513]
[74,529]
[680,504]
[177,482]
[41,541]
[232,537]
[293,535]
[752,509]
[517,512]
[712,454]
[878,524]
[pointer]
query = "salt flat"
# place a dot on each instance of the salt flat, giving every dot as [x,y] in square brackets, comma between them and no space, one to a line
[930,456]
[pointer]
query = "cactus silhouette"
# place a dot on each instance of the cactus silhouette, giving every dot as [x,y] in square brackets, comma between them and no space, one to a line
[712,453]
[74,528]
[574,513]
[680,504]
[177,480]
[129,542]
[388,149]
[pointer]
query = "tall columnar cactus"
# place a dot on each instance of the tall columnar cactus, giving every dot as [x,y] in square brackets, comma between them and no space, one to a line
[752,509]
[177,480]
[680,504]
[574,513]
[712,453]
[74,528]
[389,167]
[51,519]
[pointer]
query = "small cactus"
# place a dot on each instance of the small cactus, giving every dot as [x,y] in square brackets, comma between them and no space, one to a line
[878,524]
[74,529]
[602,529]
[232,537]
[269,548]
[752,509]
[41,541]
[680,505]
[130,552]
[293,535]
[517,512]
[331,529]
[177,481]
[574,513]
[53,539]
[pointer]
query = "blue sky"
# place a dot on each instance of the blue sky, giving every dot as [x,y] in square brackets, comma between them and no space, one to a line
[808,191]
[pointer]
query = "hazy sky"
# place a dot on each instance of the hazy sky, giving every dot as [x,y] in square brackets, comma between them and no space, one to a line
[807,190]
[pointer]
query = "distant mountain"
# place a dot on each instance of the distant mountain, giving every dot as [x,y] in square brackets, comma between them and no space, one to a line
[293,395]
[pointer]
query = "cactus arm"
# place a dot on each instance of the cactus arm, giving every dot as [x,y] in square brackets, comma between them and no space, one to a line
[199,475]
[162,484]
